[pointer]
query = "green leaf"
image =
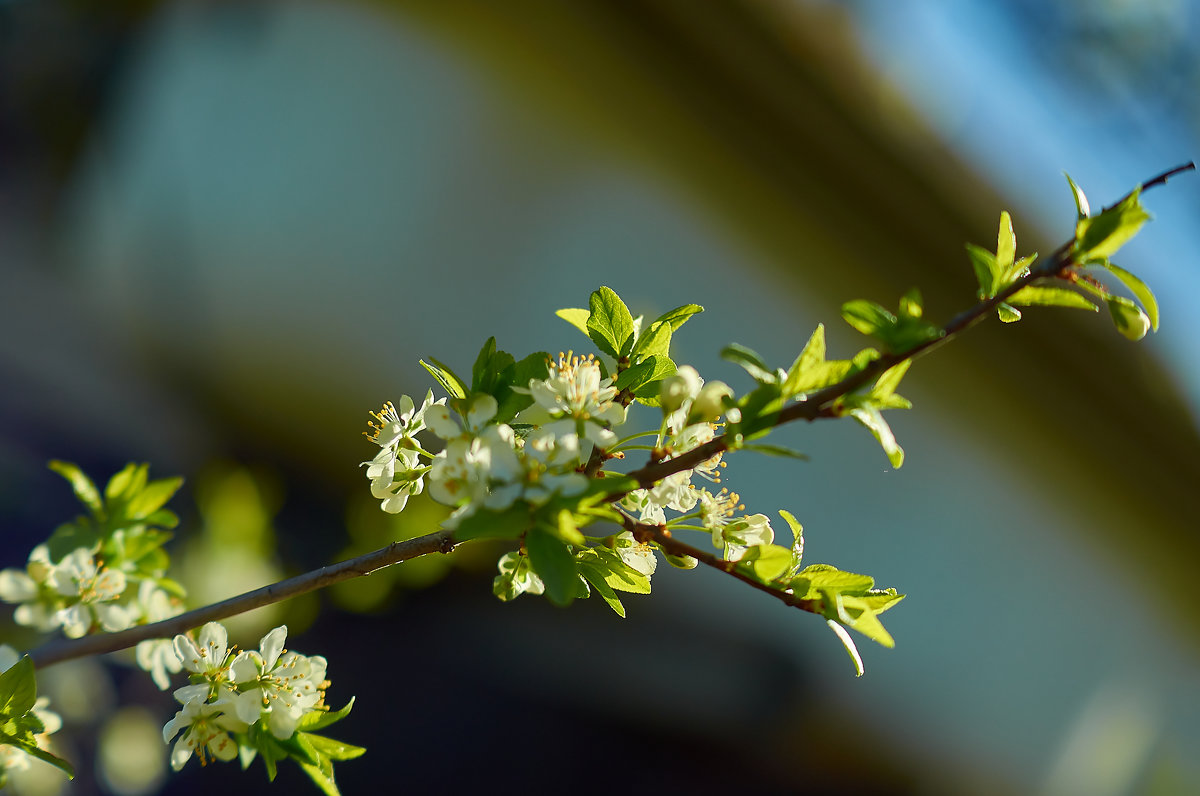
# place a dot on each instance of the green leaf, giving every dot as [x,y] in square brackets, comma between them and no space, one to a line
[322,777]
[519,374]
[1051,297]
[1006,242]
[1082,208]
[596,577]
[451,383]
[767,561]
[153,497]
[613,570]
[487,524]
[987,271]
[1099,237]
[797,542]
[848,643]
[610,324]
[1140,290]
[69,536]
[127,482]
[655,341]
[31,748]
[886,384]
[1128,317]
[825,578]
[774,450]
[855,614]
[566,529]
[480,368]
[18,688]
[868,317]
[1007,313]
[751,362]
[318,719]
[873,420]
[679,316]
[811,357]
[83,487]
[654,369]
[333,749]
[577,318]
[554,564]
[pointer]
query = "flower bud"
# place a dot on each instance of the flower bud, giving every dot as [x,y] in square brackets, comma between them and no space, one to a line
[681,562]
[709,403]
[679,387]
[1128,317]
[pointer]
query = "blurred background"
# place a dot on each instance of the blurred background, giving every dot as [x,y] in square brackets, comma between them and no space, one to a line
[229,229]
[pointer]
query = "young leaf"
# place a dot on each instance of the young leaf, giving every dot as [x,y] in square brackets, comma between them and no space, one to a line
[554,564]
[1082,208]
[751,362]
[1128,317]
[577,318]
[873,420]
[317,720]
[595,577]
[774,450]
[610,324]
[1099,237]
[987,270]
[1006,242]
[333,749]
[767,561]
[1051,297]
[1007,313]
[656,341]
[797,543]
[85,490]
[487,524]
[868,317]
[1139,289]
[451,383]
[18,688]
[679,316]
[848,643]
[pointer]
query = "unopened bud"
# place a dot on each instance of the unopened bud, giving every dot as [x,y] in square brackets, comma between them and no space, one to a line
[709,403]
[1128,317]
[679,387]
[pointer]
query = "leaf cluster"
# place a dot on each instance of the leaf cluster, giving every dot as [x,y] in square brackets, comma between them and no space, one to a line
[642,356]
[314,753]
[19,724]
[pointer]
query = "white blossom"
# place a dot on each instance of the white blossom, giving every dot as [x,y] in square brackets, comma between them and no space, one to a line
[206,729]
[96,588]
[276,685]
[38,600]
[157,655]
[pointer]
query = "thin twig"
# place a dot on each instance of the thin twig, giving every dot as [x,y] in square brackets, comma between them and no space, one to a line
[663,538]
[58,651]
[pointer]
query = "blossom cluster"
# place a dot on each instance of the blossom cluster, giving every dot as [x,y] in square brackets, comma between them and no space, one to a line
[231,691]
[690,409]
[486,464]
[81,595]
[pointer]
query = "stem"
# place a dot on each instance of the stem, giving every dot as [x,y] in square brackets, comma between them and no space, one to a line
[63,650]
[663,538]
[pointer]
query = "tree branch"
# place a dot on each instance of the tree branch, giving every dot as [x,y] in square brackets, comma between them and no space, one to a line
[62,650]
[812,407]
